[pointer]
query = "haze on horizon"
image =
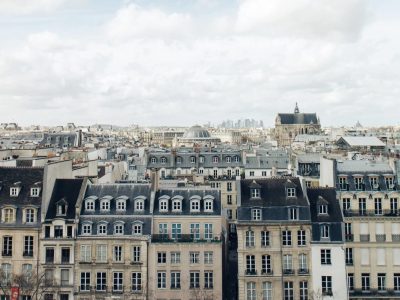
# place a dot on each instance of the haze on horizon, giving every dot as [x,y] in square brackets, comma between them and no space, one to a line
[183,62]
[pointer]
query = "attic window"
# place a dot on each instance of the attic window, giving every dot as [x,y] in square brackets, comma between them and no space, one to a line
[35,192]
[14,191]
[153,160]
[293,213]
[323,209]
[177,205]
[62,208]
[163,160]
[228,159]
[255,193]
[291,192]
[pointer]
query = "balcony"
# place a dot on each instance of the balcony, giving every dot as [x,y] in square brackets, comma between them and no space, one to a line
[364,238]
[349,262]
[251,272]
[182,238]
[267,272]
[395,237]
[349,237]
[380,237]
[371,213]
[303,271]
[288,272]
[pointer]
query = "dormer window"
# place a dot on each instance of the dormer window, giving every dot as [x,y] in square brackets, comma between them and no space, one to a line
[102,228]
[208,203]
[87,228]
[325,231]
[177,205]
[193,159]
[121,203]
[179,160]
[8,215]
[14,191]
[35,191]
[137,228]
[163,160]
[237,159]
[323,209]
[358,181]
[105,203]
[255,193]
[256,214]
[389,182]
[291,192]
[139,205]
[30,215]
[62,208]
[195,204]
[228,159]
[215,159]
[343,183]
[89,205]
[374,182]
[163,201]
[119,228]
[153,160]
[201,159]
[293,213]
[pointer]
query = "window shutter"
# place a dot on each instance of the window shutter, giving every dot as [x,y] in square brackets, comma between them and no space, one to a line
[381,256]
[364,228]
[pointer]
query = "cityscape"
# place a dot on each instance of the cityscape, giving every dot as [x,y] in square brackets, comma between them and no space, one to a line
[199,150]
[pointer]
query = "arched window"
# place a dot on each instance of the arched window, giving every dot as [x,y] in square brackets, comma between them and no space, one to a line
[177,203]
[8,215]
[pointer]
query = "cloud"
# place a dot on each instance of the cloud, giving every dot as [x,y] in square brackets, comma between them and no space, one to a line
[25,7]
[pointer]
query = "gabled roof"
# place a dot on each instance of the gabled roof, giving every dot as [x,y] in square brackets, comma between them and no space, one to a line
[361,141]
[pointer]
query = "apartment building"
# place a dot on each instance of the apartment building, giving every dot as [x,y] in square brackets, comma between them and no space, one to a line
[328,267]
[21,192]
[114,230]
[186,253]
[369,197]
[57,243]
[274,235]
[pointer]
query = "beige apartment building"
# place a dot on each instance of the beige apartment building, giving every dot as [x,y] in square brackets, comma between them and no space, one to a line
[186,253]
[369,199]
[274,234]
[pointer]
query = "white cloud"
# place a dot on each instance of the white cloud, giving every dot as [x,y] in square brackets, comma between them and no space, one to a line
[24,7]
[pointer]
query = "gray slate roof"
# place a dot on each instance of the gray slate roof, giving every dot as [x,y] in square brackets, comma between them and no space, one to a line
[298,118]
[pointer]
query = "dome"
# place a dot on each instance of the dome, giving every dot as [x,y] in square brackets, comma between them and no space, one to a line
[196,132]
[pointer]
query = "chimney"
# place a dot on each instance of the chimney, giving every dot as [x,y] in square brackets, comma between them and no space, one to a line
[154,180]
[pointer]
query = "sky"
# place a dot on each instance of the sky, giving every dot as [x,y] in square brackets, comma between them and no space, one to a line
[185,62]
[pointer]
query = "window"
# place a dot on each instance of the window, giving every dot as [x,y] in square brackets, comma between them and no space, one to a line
[28,246]
[85,281]
[378,206]
[286,238]
[325,231]
[27,270]
[8,215]
[201,159]
[362,206]
[137,229]
[163,228]
[6,270]
[194,205]
[396,281]
[178,160]
[350,281]
[264,238]
[229,213]
[266,290]
[139,205]
[251,291]
[208,205]
[69,231]
[35,192]
[136,281]
[104,205]
[303,262]
[86,229]
[121,205]
[14,191]
[175,280]
[208,279]
[175,257]
[301,237]
[49,277]
[303,285]
[153,160]
[208,257]
[117,253]
[349,256]
[288,291]
[65,255]
[29,215]
[208,231]
[163,160]
[381,281]
[136,254]
[325,256]
[291,192]
[194,257]
[346,204]
[256,214]
[393,206]
[176,230]
[194,280]
[164,205]
[64,277]
[229,199]
[49,255]
[119,228]
[58,231]
[118,281]
[177,205]
[62,208]
[250,264]
[215,174]
[326,285]
[365,281]
[293,213]
[249,238]
[255,193]
[86,253]
[195,231]
[287,263]
[89,205]
[162,257]
[229,174]
[251,173]
[101,281]
[7,245]
[343,183]
[192,159]
[323,209]
[215,159]
[266,264]
[229,186]
[264,173]
[161,280]
[102,229]
[359,183]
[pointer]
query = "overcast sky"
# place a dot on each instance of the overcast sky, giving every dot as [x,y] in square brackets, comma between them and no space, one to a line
[182,62]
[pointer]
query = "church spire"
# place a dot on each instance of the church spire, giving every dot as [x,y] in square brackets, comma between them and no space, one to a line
[296,109]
